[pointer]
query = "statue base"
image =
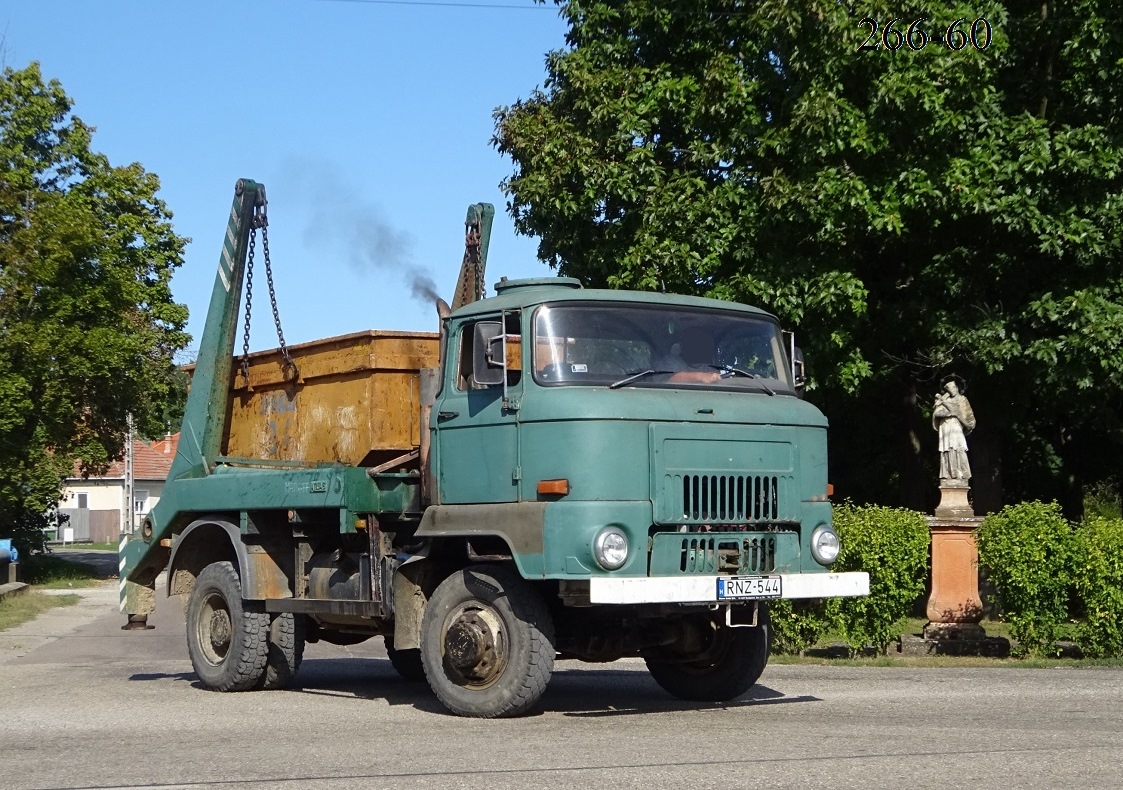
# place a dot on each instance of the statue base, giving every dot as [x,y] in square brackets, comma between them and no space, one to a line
[963,632]
[989,646]
[954,607]
[954,503]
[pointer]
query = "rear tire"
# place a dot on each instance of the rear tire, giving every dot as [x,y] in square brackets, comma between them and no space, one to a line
[228,646]
[733,661]
[286,650]
[487,643]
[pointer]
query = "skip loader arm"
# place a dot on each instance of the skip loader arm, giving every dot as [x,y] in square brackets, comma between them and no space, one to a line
[144,554]
[477,233]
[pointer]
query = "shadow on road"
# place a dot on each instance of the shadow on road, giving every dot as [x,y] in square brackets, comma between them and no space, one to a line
[600,693]
[188,676]
[582,693]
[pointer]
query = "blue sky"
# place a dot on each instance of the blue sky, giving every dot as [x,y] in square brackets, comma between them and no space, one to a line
[368,123]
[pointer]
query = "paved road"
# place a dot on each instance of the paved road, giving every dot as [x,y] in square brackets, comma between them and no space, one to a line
[86,705]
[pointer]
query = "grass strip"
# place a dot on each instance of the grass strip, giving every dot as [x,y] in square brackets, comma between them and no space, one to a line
[18,609]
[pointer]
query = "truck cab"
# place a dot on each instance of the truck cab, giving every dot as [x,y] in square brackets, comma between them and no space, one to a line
[653,417]
[646,463]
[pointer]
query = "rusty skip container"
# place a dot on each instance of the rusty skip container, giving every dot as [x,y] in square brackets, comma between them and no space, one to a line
[357,400]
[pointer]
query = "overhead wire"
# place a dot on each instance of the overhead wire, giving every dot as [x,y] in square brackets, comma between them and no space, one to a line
[447,4]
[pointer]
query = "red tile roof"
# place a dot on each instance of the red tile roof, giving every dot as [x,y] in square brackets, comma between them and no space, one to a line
[151,460]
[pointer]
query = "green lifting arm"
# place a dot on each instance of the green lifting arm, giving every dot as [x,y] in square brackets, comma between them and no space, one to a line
[142,556]
[477,235]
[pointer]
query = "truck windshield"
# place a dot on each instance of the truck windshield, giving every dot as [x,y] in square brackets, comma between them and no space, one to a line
[608,345]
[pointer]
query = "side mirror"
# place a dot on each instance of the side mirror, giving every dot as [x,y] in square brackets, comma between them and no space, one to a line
[799,369]
[799,372]
[489,364]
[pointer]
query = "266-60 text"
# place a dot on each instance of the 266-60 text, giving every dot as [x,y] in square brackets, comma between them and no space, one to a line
[955,36]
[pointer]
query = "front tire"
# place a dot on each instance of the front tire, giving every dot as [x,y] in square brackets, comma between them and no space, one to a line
[228,646]
[487,643]
[732,661]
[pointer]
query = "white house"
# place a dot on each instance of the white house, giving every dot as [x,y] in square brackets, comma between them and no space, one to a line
[96,506]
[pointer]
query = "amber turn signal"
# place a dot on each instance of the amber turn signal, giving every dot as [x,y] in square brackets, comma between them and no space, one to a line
[830,489]
[553,487]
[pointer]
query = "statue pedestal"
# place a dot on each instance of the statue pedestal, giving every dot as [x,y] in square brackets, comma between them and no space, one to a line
[954,504]
[954,607]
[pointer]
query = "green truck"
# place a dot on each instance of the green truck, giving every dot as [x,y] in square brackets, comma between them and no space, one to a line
[559,473]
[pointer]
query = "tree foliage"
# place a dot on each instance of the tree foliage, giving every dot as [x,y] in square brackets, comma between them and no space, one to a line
[912,212]
[88,326]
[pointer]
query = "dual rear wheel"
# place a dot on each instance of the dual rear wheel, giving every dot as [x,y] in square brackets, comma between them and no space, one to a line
[232,647]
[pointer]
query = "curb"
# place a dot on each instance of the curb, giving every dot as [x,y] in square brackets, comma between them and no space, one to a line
[12,588]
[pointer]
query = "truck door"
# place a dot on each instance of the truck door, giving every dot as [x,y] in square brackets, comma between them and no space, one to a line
[475,422]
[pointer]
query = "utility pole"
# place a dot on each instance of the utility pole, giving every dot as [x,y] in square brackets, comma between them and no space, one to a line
[127,521]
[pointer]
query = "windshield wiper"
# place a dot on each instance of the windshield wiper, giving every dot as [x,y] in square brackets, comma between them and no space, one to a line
[729,370]
[636,377]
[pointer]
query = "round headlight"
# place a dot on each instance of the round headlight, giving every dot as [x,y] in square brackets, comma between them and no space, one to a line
[610,548]
[825,545]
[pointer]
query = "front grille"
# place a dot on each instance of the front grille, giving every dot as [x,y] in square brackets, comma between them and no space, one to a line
[726,554]
[730,498]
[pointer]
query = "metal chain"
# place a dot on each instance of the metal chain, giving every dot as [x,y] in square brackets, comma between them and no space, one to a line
[261,220]
[249,305]
[289,366]
[472,253]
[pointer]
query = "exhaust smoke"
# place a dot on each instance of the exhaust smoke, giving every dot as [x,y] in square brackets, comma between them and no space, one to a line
[339,217]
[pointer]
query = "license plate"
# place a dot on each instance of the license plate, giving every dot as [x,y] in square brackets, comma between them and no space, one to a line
[748,588]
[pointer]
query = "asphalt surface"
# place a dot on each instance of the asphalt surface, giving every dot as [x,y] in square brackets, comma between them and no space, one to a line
[86,705]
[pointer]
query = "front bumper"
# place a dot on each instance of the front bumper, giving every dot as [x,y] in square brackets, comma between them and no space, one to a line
[703,589]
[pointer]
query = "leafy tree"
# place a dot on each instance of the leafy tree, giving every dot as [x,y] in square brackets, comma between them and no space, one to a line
[914,212]
[88,326]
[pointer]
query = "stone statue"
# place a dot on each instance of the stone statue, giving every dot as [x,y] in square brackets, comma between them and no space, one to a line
[953,419]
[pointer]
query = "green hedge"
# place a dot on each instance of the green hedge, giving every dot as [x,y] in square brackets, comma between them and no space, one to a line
[892,546]
[1098,580]
[1033,556]
[797,624]
[1028,551]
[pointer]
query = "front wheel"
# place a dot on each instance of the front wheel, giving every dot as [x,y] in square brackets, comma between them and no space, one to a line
[730,663]
[487,643]
[228,646]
